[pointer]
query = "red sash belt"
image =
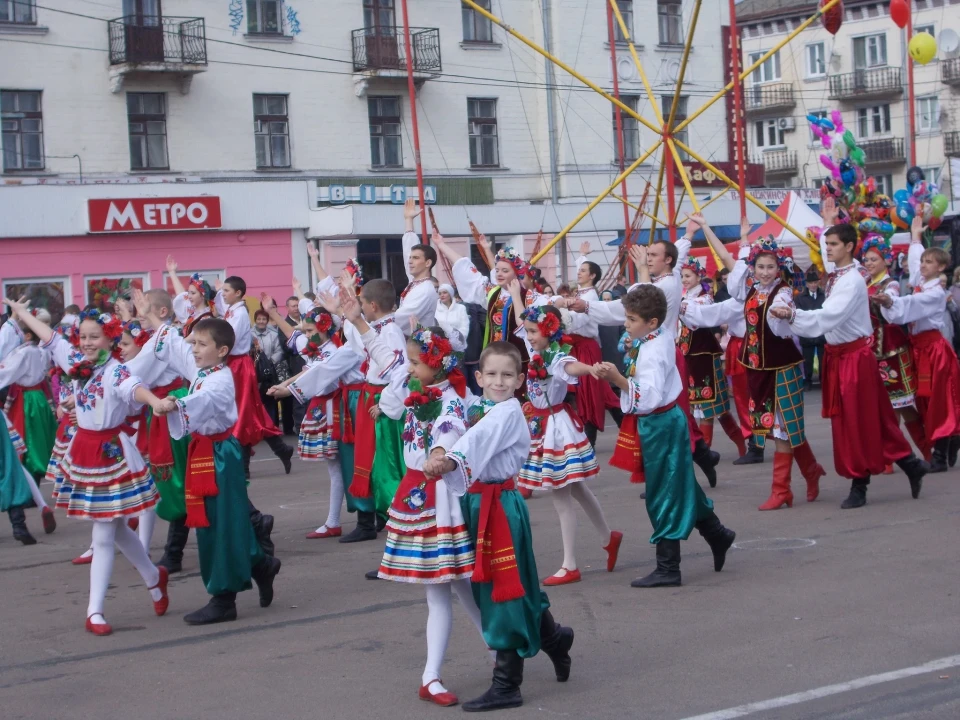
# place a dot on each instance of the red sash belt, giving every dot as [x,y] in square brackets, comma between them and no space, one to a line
[343,394]
[531,411]
[924,360]
[201,477]
[15,407]
[159,448]
[365,441]
[628,453]
[496,557]
[830,373]
[143,442]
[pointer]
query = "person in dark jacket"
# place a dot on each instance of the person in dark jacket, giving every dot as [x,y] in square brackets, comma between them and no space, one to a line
[811,299]
[292,412]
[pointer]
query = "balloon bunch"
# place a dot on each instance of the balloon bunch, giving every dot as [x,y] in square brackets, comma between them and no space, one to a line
[920,198]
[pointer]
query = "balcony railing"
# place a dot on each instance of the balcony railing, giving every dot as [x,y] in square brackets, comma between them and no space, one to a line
[383,49]
[778,162]
[950,71]
[886,151]
[866,83]
[951,143]
[155,39]
[760,98]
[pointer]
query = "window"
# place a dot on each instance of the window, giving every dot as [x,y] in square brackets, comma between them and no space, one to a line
[17,11]
[768,133]
[48,293]
[870,51]
[768,70]
[147,123]
[813,140]
[928,29]
[884,184]
[272,130]
[873,121]
[476,27]
[482,121]
[666,102]
[22,124]
[103,292]
[380,17]
[932,174]
[631,130]
[670,22]
[928,114]
[264,17]
[383,258]
[385,147]
[816,67]
[626,10]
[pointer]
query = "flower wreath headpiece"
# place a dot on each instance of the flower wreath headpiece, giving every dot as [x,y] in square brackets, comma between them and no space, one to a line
[510,256]
[203,287]
[353,267]
[549,324]
[112,326]
[694,266]
[139,333]
[878,244]
[436,351]
[321,318]
[766,246]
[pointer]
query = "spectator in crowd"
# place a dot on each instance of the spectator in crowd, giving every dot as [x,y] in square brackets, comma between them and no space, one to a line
[451,315]
[811,298]
[721,293]
[291,411]
[951,314]
[266,341]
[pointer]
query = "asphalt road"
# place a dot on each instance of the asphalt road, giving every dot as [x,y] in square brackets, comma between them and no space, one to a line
[817,603]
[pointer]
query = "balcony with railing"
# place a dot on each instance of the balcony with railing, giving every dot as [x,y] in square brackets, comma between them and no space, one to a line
[875,82]
[155,44]
[950,71]
[885,151]
[778,162]
[951,143]
[380,52]
[768,98]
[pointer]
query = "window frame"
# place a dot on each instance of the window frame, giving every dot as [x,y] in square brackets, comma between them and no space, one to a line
[930,29]
[18,116]
[774,65]
[762,130]
[626,10]
[143,277]
[12,6]
[682,107]
[813,140]
[476,22]
[934,128]
[633,102]
[933,174]
[884,184]
[669,9]
[810,73]
[386,120]
[40,280]
[865,39]
[478,137]
[870,118]
[144,119]
[266,120]
[259,32]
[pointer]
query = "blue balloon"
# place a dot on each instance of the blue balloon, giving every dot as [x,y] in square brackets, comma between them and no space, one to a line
[900,196]
[905,212]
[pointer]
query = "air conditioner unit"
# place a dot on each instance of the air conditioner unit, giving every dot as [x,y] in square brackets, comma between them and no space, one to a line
[787,123]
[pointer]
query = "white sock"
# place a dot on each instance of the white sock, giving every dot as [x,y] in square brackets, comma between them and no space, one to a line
[100,569]
[563,502]
[591,506]
[336,494]
[34,490]
[129,544]
[148,520]
[464,592]
[439,621]
[88,552]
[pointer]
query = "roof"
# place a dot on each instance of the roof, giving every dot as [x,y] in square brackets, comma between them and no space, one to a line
[748,10]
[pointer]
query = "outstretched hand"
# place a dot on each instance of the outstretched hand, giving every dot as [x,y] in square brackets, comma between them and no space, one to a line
[916,227]
[783,313]
[410,209]
[329,303]
[585,247]
[279,391]
[744,231]
[218,284]
[164,407]
[312,250]
[350,307]
[18,307]
[883,299]
[140,302]
[577,305]
[267,302]
[435,466]
[171,265]
[638,253]
[830,213]
[296,284]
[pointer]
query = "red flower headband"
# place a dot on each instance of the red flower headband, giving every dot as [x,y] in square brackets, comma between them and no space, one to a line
[435,350]
[548,323]
[511,257]
[694,267]
[766,246]
[879,245]
[139,334]
[321,318]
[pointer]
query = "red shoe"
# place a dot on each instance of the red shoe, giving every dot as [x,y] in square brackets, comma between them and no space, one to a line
[613,549]
[780,494]
[569,576]
[444,699]
[526,493]
[327,532]
[104,629]
[82,560]
[888,470]
[49,521]
[160,606]
[133,523]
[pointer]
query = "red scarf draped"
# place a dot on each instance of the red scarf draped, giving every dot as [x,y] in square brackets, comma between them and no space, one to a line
[628,453]
[496,557]
[201,478]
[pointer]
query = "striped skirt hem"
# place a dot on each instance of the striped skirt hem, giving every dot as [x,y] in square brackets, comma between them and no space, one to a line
[433,555]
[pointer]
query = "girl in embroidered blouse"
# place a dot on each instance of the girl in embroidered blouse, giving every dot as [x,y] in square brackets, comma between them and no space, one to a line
[104,478]
[192,303]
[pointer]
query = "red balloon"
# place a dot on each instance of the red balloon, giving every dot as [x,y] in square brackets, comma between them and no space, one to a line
[832,19]
[934,223]
[899,12]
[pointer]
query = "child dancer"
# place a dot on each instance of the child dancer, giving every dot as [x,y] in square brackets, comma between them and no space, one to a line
[561,457]
[104,479]
[938,390]
[193,303]
[481,468]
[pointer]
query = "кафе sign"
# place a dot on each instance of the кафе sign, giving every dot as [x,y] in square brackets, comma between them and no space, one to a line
[124,215]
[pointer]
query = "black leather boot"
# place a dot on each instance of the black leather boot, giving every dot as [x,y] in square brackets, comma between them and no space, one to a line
[938,459]
[590,430]
[177,535]
[556,641]
[365,530]
[18,520]
[245,452]
[262,527]
[707,460]
[858,494]
[282,451]
[505,690]
[667,573]
[753,456]
[263,575]
[221,608]
[915,469]
[718,537]
[953,451]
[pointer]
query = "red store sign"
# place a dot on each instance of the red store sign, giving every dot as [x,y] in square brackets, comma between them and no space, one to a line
[153,214]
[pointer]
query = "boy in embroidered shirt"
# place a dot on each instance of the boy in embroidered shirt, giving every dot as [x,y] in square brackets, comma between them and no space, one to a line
[652,420]
[481,468]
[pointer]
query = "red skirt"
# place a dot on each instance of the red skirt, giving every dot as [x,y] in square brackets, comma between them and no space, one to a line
[593,396]
[866,434]
[683,400]
[253,423]
[938,384]
[732,364]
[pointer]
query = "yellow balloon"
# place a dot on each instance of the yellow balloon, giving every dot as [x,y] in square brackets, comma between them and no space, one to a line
[923,48]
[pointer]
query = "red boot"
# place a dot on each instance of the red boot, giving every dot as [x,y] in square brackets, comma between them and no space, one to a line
[732,429]
[613,549]
[780,494]
[706,429]
[811,470]
[919,437]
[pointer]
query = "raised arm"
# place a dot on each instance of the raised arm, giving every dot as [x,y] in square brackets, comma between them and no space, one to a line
[725,257]
[270,307]
[696,316]
[178,287]
[21,309]
[829,214]
[737,279]
[436,239]
[318,269]
[638,254]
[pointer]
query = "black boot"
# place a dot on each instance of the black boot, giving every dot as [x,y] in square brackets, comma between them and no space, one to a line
[505,690]
[915,468]
[381,522]
[858,494]
[282,451]
[372,574]
[20,532]
[263,575]
[953,451]
[753,456]
[706,459]
[262,526]
[718,537]
[365,530]
[221,608]
[556,641]
[938,459]
[246,451]
[590,430]
[177,535]
[667,573]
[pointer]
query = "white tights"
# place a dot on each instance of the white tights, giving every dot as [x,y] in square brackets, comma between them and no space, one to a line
[148,518]
[105,535]
[439,622]
[563,502]
[34,490]
[336,495]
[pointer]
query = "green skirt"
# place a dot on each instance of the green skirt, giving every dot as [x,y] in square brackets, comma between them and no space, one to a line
[173,504]
[40,431]
[515,624]
[675,501]
[228,549]
[14,489]
[388,466]
[345,453]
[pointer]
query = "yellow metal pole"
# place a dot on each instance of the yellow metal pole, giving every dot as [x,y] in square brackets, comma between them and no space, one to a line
[636,207]
[683,66]
[636,61]
[656,199]
[708,202]
[763,58]
[684,178]
[559,63]
[596,201]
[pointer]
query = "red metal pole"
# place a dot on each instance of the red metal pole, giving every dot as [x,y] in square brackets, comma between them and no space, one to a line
[619,120]
[911,101]
[671,199]
[738,106]
[412,91]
